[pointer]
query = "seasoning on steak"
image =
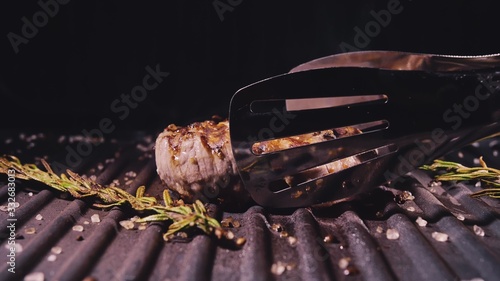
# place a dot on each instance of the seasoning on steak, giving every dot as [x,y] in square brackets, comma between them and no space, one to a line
[196,161]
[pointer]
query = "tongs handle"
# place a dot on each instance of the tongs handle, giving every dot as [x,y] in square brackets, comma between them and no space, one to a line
[394,60]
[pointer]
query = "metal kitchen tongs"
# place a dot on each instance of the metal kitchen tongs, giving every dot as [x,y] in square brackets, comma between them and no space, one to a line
[411,108]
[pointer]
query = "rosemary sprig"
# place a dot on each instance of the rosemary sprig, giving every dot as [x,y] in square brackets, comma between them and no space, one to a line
[182,217]
[452,171]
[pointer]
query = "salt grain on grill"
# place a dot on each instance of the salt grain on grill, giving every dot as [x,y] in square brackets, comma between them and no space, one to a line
[131,174]
[100,166]
[344,262]
[278,268]
[421,222]
[410,209]
[127,224]
[78,228]
[460,217]
[392,234]
[292,240]
[478,184]
[18,247]
[30,194]
[478,230]
[52,258]
[229,235]
[379,229]
[327,239]
[39,217]
[34,276]
[434,183]
[439,236]
[86,222]
[95,218]
[56,250]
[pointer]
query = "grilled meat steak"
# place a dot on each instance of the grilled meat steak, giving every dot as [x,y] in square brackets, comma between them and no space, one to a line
[196,161]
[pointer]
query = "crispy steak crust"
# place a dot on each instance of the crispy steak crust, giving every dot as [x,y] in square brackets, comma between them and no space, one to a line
[196,161]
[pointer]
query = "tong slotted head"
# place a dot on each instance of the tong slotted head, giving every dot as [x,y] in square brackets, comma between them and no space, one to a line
[410,108]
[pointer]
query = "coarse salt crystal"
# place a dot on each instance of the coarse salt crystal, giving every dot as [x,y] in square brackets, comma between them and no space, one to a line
[278,268]
[78,228]
[292,240]
[460,217]
[17,247]
[135,218]
[34,276]
[411,209]
[95,218]
[39,217]
[131,174]
[127,224]
[52,258]
[478,230]
[379,229]
[421,222]
[344,262]
[56,250]
[439,236]
[392,234]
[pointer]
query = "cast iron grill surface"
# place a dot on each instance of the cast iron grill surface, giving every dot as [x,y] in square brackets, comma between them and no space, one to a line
[323,241]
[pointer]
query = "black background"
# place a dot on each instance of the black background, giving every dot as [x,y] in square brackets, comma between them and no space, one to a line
[91,52]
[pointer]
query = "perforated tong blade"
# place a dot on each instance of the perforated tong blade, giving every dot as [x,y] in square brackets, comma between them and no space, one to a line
[407,108]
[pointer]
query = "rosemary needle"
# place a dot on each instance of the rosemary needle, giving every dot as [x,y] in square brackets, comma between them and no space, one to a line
[181,216]
[452,171]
